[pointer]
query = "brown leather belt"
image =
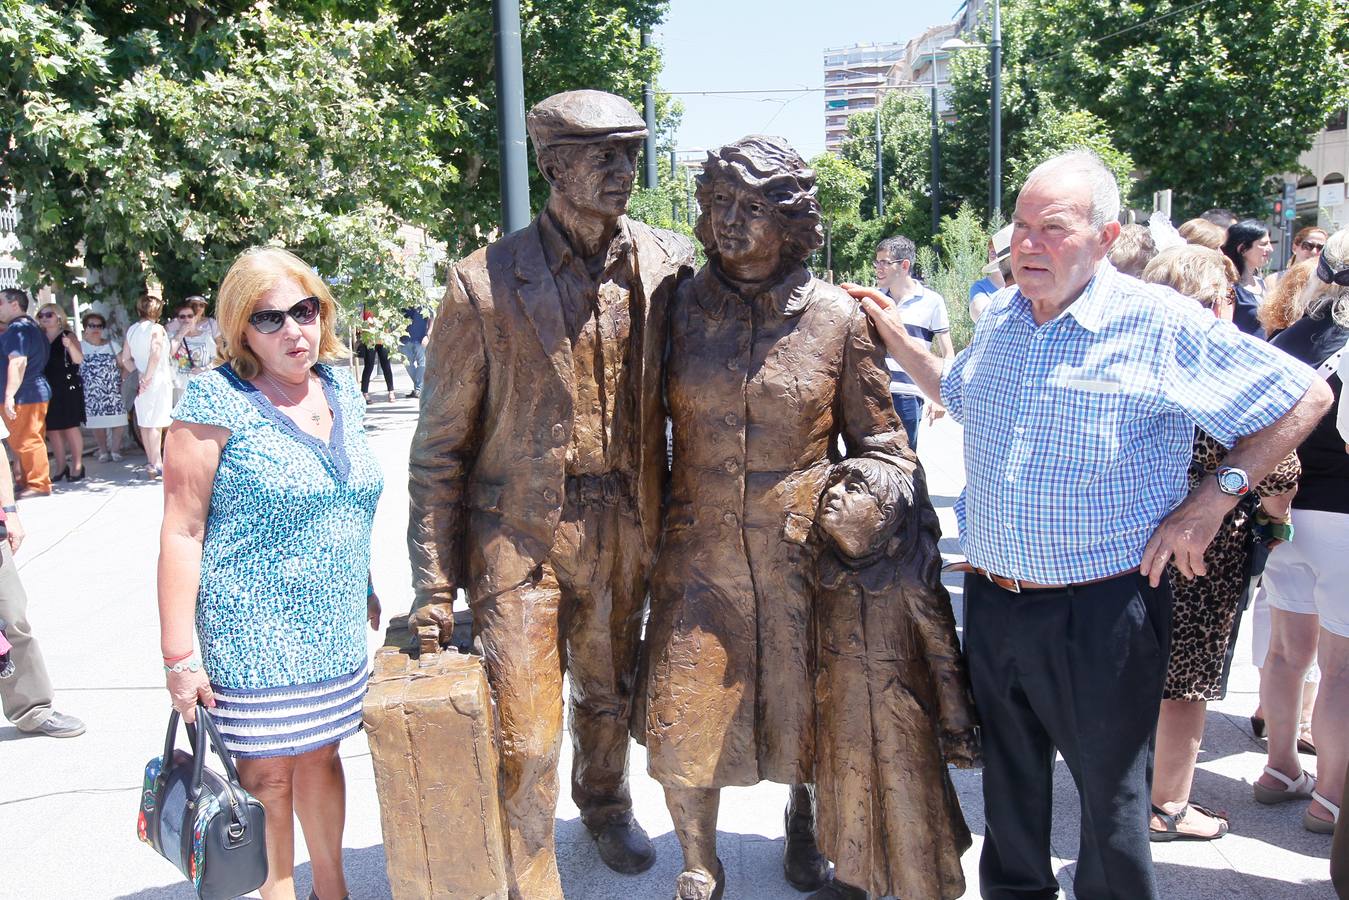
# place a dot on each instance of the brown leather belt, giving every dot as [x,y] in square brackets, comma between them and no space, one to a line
[1015,585]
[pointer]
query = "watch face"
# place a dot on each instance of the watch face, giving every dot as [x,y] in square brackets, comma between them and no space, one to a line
[1233,481]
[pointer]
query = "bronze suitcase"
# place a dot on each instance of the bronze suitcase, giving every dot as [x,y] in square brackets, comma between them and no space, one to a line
[432,736]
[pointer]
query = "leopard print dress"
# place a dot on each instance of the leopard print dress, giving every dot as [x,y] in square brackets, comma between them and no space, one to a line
[1205,609]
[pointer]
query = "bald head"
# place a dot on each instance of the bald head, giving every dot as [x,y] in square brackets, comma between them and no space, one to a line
[1085,167]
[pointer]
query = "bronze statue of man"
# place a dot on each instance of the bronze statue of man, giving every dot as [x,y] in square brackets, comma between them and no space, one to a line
[768,368]
[537,470]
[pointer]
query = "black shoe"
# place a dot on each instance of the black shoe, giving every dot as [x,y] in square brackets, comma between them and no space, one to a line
[75,476]
[803,865]
[838,890]
[624,846]
[65,473]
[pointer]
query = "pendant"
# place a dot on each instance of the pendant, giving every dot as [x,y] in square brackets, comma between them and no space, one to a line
[315,417]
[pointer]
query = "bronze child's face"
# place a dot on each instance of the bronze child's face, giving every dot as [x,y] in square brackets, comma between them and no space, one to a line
[597,177]
[745,229]
[851,515]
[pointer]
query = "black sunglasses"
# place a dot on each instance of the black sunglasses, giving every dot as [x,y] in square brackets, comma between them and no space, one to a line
[1329,275]
[1312,246]
[90,326]
[269,320]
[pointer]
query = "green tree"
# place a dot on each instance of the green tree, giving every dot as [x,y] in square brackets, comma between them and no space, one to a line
[567,44]
[1036,123]
[1211,100]
[840,185]
[159,155]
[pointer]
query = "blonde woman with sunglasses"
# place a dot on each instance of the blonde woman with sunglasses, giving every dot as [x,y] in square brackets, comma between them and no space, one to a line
[270,491]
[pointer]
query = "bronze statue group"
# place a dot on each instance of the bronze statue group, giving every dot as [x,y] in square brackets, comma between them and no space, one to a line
[798,631]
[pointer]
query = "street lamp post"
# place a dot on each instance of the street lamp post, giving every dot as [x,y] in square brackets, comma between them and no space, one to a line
[995,115]
[936,153]
[510,85]
[994,47]
[880,166]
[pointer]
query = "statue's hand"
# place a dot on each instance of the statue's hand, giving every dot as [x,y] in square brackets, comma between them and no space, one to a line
[439,614]
[961,748]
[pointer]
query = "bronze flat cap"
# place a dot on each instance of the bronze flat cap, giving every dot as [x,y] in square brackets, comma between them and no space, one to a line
[580,117]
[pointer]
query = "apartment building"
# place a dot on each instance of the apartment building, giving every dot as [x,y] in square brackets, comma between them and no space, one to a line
[853,78]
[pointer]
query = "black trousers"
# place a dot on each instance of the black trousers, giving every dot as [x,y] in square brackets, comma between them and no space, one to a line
[368,356]
[1079,670]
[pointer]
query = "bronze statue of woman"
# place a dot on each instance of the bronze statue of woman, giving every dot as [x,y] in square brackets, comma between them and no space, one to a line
[767,368]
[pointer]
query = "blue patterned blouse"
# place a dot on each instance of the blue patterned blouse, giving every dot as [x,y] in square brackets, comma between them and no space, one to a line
[287,547]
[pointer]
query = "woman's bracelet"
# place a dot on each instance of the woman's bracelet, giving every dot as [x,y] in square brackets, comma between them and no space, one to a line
[190,663]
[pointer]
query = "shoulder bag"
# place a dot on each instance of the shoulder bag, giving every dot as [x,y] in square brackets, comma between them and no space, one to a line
[204,823]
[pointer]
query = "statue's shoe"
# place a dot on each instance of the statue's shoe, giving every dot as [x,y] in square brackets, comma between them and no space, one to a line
[695,884]
[624,846]
[837,890]
[803,865]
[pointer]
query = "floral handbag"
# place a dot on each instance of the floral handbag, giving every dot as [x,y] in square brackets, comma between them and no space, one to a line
[204,823]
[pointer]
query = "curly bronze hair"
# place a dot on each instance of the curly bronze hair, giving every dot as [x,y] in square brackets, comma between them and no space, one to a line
[771,167]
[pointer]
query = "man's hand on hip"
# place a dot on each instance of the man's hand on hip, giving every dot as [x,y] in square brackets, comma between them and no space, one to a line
[1185,534]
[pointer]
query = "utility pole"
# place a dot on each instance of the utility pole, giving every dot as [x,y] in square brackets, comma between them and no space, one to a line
[936,152]
[674,198]
[510,85]
[995,120]
[649,112]
[880,166]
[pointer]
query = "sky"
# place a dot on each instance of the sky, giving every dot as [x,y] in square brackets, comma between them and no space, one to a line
[759,45]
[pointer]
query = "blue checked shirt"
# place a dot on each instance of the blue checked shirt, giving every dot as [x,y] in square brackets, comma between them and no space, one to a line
[1078,432]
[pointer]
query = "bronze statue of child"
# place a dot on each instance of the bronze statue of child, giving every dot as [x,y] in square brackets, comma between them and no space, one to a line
[892,696]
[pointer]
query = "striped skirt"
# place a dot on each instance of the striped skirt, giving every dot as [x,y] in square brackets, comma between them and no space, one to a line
[291,719]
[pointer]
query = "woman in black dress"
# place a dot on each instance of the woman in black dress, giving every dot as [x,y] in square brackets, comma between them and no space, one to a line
[65,411]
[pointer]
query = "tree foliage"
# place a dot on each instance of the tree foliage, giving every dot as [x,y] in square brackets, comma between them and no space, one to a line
[159,154]
[1211,100]
[1036,122]
[567,44]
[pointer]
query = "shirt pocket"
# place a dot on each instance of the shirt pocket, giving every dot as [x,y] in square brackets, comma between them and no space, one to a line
[1089,421]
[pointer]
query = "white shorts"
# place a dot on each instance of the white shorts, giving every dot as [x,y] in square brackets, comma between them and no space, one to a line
[1310,575]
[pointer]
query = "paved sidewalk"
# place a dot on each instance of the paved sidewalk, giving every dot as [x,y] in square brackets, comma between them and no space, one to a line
[67,808]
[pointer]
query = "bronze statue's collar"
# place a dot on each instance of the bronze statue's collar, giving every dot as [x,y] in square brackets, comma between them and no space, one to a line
[560,253]
[875,572]
[785,295]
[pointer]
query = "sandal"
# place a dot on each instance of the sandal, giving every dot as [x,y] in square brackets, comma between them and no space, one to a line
[1304,739]
[1321,826]
[1171,821]
[1294,788]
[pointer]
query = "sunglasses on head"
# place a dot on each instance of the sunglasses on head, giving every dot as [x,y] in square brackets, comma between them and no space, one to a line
[1330,275]
[269,320]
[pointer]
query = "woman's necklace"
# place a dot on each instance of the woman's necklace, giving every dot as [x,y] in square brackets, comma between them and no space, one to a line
[313,416]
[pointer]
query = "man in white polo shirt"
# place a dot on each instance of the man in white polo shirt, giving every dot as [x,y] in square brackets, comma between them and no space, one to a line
[925,318]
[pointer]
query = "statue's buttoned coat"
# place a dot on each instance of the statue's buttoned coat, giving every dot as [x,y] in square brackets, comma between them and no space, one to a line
[760,390]
[487,465]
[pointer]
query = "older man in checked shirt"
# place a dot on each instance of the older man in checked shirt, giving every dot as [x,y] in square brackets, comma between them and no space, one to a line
[1079,394]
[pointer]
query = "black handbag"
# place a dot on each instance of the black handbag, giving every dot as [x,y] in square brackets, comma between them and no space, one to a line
[204,823]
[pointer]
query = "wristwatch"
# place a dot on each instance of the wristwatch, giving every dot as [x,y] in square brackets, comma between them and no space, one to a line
[1233,481]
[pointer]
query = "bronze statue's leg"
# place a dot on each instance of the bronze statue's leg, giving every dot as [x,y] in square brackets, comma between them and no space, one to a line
[694,811]
[520,645]
[601,622]
[803,865]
